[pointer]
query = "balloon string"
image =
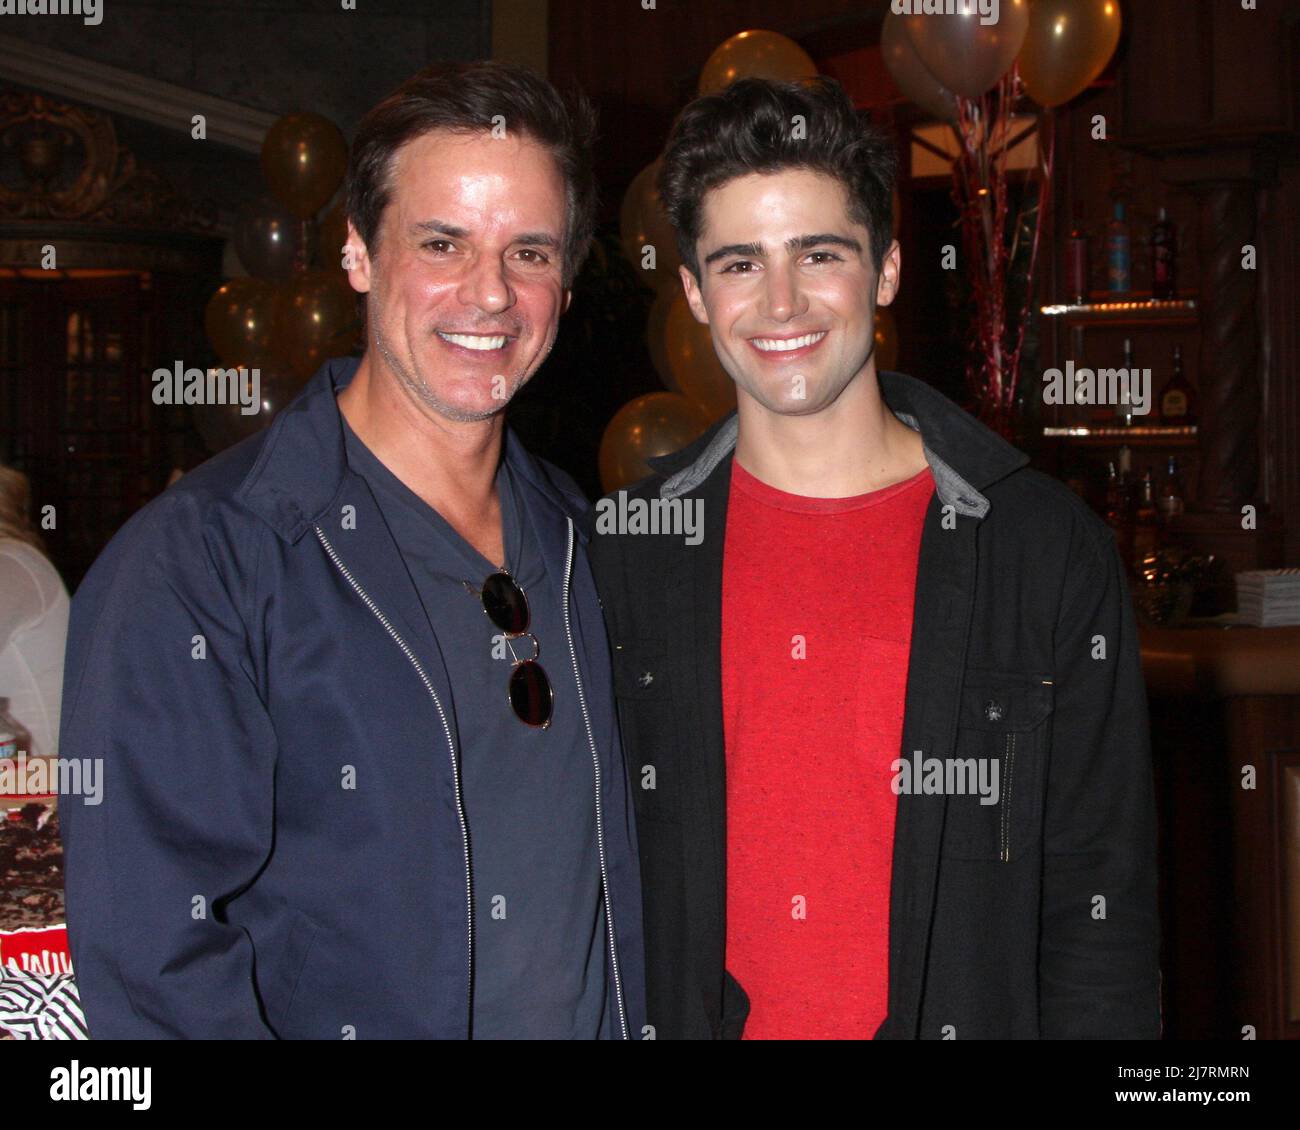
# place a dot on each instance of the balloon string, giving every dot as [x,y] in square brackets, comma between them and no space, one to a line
[1047,160]
[300,261]
[980,190]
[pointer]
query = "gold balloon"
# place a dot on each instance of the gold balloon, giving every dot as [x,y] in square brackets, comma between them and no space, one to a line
[221,425]
[909,73]
[656,424]
[962,53]
[304,157]
[755,54]
[239,318]
[656,337]
[333,235]
[641,222]
[886,339]
[316,318]
[694,365]
[270,241]
[1068,44]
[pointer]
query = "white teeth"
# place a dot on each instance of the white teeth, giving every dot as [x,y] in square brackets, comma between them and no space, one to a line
[474,341]
[775,345]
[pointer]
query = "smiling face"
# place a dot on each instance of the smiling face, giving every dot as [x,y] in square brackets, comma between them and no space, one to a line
[788,288]
[466,286]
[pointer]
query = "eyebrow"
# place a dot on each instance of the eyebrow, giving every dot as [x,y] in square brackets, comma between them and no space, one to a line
[440,227]
[794,243]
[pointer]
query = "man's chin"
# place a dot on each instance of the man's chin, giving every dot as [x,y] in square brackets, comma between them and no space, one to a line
[783,402]
[470,410]
[468,399]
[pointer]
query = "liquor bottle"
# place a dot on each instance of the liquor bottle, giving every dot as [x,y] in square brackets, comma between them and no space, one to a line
[1124,404]
[1076,260]
[1119,502]
[1118,261]
[1146,530]
[1164,258]
[1172,501]
[1114,497]
[1178,398]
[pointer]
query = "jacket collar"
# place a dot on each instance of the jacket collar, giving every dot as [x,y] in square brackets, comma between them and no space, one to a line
[965,457]
[302,462]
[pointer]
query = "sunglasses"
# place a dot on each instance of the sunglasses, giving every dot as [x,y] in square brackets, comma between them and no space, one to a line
[531,696]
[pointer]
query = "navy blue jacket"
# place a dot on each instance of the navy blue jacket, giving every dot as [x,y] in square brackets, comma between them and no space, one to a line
[243,640]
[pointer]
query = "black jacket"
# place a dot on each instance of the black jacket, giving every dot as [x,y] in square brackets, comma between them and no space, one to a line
[1032,918]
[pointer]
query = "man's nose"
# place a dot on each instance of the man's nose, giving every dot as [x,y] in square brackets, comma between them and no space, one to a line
[782,298]
[485,285]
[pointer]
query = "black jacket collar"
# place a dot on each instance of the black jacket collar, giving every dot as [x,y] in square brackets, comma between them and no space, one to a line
[965,457]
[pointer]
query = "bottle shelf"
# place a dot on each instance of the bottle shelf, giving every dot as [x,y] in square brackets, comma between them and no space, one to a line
[1118,309]
[1137,435]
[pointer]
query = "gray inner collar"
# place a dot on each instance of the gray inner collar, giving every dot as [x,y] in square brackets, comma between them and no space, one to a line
[951,488]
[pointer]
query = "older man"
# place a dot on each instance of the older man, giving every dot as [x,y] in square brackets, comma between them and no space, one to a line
[350,678]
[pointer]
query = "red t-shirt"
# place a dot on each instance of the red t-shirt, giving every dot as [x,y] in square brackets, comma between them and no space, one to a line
[816,632]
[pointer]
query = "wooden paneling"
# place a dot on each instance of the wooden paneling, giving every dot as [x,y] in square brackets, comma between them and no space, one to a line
[1209,69]
[641,67]
[1263,735]
[1166,82]
[1253,50]
[1279,269]
[1230,940]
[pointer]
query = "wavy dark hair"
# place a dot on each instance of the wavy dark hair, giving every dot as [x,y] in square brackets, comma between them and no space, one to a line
[750,128]
[471,98]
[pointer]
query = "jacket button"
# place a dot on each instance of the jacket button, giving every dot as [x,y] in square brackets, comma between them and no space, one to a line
[993,711]
[645,678]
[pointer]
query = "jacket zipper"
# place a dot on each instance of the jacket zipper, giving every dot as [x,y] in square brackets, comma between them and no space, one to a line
[455,768]
[595,760]
[1008,767]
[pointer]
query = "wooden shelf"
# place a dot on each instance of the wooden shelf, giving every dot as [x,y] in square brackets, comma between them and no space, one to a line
[1119,309]
[1111,435]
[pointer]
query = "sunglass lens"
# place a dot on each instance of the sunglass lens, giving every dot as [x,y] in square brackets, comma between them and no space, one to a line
[530,693]
[505,604]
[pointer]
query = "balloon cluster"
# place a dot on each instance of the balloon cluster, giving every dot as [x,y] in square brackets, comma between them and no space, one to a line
[1058,46]
[295,308]
[700,390]
[972,74]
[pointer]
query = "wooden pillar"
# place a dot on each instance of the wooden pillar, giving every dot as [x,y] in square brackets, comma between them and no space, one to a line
[1230,392]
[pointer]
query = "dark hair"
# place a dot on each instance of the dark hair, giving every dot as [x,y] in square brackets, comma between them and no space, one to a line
[750,128]
[472,98]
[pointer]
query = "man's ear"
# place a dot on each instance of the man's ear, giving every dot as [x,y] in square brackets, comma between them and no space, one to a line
[356,261]
[890,269]
[568,298]
[694,299]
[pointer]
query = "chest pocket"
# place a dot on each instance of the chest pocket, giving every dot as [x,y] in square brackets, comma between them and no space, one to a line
[646,725]
[1003,734]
